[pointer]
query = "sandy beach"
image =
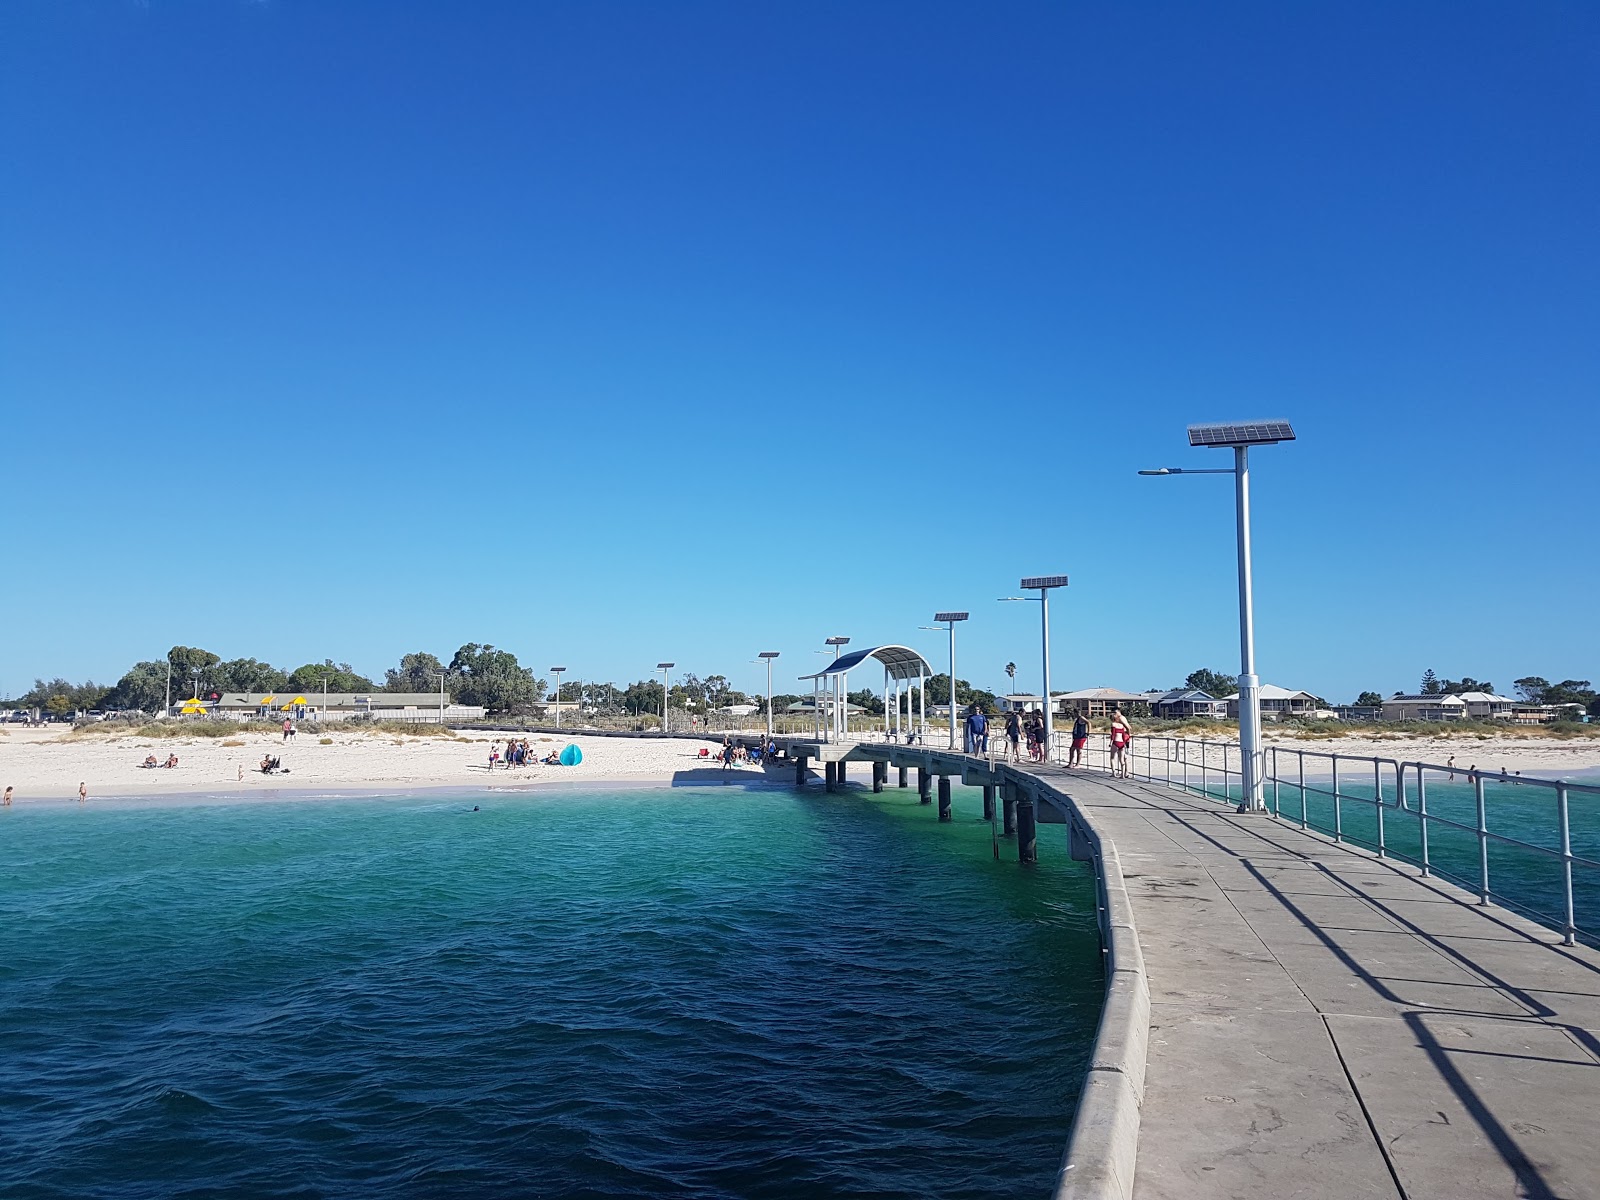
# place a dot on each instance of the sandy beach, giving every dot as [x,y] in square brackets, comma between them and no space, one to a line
[46,764]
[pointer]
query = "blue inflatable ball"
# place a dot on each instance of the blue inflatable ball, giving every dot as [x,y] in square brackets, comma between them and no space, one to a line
[571,756]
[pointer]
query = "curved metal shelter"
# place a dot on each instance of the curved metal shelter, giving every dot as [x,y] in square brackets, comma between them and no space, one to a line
[901,664]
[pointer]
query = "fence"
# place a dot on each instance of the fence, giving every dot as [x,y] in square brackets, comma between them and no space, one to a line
[1514,840]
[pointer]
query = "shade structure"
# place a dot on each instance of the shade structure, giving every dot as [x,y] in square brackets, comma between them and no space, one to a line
[901,662]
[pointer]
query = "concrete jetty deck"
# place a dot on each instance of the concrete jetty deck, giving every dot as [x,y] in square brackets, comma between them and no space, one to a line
[1324,1023]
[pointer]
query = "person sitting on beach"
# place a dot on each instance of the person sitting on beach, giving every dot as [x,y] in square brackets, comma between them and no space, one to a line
[551,760]
[266,765]
[150,761]
[172,761]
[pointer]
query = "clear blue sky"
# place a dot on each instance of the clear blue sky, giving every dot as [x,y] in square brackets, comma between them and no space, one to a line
[610,333]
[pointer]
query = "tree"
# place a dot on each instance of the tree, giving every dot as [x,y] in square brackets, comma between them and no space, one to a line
[1456,687]
[1011,675]
[60,697]
[867,701]
[247,675]
[1213,683]
[1532,688]
[144,687]
[1569,691]
[1594,707]
[417,672]
[1430,683]
[1369,700]
[642,696]
[494,679]
[341,677]
[191,671]
[966,694]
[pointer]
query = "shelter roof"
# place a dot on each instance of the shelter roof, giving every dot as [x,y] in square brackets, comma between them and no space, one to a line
[902,662]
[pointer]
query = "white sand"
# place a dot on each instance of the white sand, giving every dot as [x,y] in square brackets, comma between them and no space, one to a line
[45,764]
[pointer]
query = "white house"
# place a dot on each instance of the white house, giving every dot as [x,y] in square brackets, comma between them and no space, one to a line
[1102,702]
[1425,708]
[1277,702]
[1182,703]
[1023,703]
[1484,706]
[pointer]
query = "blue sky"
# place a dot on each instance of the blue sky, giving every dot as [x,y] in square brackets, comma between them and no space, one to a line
[613,332]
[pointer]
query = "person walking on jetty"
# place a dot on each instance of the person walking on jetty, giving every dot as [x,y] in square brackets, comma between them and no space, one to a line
[1121,735]
[977,738]
[1080,739]
[1014,734]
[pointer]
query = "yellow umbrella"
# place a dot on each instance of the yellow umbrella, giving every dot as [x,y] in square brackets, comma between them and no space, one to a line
[292,703]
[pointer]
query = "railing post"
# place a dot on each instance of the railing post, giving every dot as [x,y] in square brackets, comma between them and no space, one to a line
[1227,793]
[1274,783]
[1422,817]
[1377,801]
[1571,931]
[1166,767]
[1302,755]
[1205,787]
[1338,813]
[1183,749]
[1483,841]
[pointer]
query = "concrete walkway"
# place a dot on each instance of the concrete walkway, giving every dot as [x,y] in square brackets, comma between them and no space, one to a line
[1328,1024]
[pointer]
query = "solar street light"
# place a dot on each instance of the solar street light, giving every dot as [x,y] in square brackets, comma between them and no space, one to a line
[769,655]
[950,619]
[1043,584]
[664,668]
[1239,436]
[557,671]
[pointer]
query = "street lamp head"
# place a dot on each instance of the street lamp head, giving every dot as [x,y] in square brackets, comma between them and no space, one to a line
[1241,433]
[1011,599]
[1164,471]
[769,654]
[1045,581]
[950,616]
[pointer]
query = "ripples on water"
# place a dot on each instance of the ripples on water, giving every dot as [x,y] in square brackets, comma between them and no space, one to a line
[671,992]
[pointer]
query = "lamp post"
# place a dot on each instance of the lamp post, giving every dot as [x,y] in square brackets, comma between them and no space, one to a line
[168,710]
[441,675]
[1239,437]
[664,668]
[769,655]
[950,619]
[1042,584]
[557,672]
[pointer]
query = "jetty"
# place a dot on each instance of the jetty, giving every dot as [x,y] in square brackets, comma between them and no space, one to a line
[1288,1015]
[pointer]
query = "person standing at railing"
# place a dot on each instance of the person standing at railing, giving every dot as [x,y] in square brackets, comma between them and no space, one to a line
[1080,739]
[1121,735]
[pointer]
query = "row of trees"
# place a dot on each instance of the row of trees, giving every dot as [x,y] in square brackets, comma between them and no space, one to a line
[1534,689]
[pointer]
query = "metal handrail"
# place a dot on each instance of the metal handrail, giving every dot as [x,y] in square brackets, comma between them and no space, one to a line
[1187,754]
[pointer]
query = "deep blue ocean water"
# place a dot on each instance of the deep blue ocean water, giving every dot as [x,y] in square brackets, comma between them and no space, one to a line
[712,991]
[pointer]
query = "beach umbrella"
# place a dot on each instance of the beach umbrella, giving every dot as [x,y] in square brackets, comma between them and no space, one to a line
[292,703]
[571,756]
[193,708]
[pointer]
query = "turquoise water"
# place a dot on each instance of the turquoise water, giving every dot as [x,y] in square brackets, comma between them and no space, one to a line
[1523,877]
[666,992]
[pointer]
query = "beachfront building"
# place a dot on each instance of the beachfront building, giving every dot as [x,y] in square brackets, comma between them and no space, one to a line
[1277,703]
[1102,702]
[1182,704]
[1486,706]
[1022,702]
[1425,708]
[421,707]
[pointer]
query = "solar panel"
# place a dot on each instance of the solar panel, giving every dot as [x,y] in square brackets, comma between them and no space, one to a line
[1241,433]
[665,666]
[1045,581]
[952,616]
[768,654]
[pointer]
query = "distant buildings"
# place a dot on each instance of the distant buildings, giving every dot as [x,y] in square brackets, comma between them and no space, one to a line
[1425,708]
[341,706]
[1102,702]
[1182,704]
[1277,703]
